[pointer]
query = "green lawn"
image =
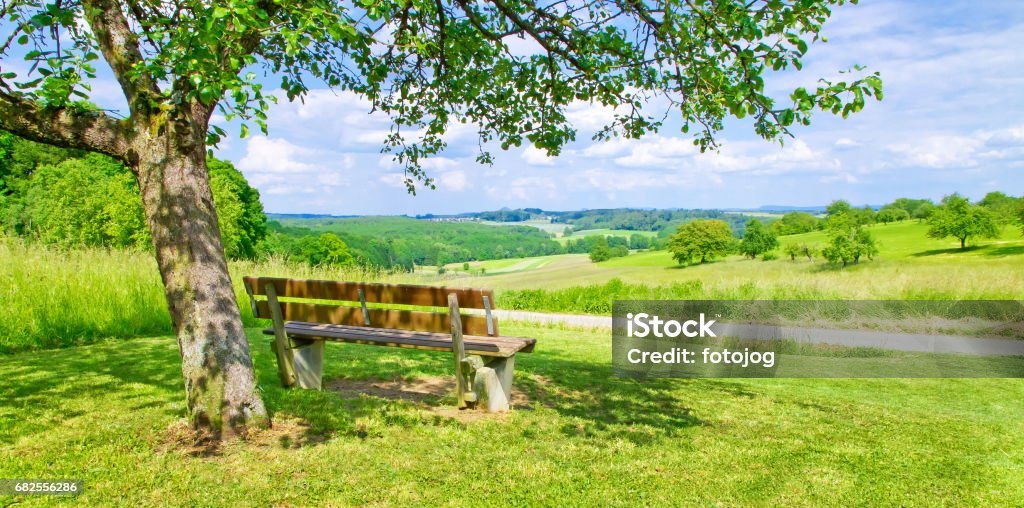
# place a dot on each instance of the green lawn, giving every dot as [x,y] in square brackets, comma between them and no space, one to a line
[102,412]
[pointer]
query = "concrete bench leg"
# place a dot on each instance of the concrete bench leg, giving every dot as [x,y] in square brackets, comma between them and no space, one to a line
[309,365]
[494,382]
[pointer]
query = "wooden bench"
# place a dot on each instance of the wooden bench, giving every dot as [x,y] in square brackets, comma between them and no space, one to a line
[307,313]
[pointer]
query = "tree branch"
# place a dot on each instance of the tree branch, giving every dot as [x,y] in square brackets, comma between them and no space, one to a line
[63,127]
[544,42]
[120,47]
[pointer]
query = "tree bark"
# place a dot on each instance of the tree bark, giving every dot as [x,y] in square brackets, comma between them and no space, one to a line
[169,159]
[963,243]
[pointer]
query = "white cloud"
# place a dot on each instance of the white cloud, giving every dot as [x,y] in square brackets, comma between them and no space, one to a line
[274,155]
[636,179]
[455,181]
[588,116]
[847,143]
[941,150]
[439,163]
[654,150]
[371,137]
[938,151]
[840,178]
[535,157]
[392,180]
[526,189]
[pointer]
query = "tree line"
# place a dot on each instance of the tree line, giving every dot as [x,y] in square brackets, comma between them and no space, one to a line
[74,198]
[849,241]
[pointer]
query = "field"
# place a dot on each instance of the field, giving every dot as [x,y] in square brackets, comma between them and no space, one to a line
[554,228]
[605,232]
[107,405]
[500,266]
[106,413]
[910,266]
[56,298]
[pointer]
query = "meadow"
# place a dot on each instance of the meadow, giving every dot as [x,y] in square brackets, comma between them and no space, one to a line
[554,228]
[604,232]
[56,298]
[94,392]
[107,413]
[909,266]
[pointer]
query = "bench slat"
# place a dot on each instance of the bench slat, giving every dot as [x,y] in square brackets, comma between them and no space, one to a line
[484,346]
[401,294]
[379,318]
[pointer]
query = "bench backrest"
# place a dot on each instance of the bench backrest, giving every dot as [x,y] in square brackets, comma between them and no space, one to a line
[365,304]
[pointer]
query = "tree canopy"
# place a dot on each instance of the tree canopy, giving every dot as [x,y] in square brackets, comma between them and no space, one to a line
[849,241]
[73,198]
[957,217]
[757,239]
[428,64]
[794,223]
[701,240]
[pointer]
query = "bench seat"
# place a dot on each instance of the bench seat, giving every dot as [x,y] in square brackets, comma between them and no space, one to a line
[474,344]
[309,313]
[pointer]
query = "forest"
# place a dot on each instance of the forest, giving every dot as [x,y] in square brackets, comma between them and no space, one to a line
[402,242]
[71,198]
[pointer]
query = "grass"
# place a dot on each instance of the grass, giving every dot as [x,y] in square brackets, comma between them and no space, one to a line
[101,413]
[106,410]
[909,240]
[910,266]
[56,298]
[499,266]
[546,226]
[579,235]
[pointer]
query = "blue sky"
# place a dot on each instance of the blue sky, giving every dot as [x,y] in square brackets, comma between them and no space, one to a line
[952,120]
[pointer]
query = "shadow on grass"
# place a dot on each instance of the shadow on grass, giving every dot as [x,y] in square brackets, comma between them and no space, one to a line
[40,387]
[33,385]
[693,265]
[823,266]
[586,392]
[952,250]
[1004,250]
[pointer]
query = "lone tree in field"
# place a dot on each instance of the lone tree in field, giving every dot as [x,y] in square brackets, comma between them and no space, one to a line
[757,239]
[848,240]
[957,217]
[701,240]
[426,64]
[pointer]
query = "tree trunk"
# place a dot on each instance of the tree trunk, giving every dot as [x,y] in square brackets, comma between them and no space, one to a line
[220,382]
[963,243]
